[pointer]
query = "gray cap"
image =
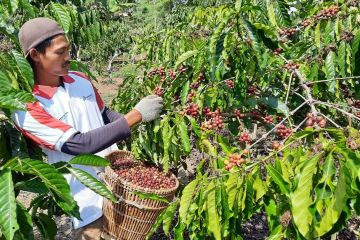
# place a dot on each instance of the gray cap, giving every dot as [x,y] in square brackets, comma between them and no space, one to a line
[36,30]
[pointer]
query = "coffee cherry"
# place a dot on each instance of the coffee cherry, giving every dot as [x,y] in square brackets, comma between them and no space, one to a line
[245,138]
[291,66]
[158,91]
[322,123]
[233,160]
[276,145]
[309,122]
[206,111]
[230,84]
[283,132]
[191,96]
[356,104]
[288,32]
[251,89]
[306,23]
[182,69]
[246,151]
[277,51]
[172,74]
[239,114]
[269,119]
[192,110]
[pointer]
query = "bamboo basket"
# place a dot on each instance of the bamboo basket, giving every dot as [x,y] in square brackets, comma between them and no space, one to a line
[131,218]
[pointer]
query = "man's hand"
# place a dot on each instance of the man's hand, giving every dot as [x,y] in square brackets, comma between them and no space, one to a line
[150,107]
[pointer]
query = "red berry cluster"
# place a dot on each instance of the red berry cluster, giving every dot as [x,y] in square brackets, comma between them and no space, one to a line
[192,110]
[196,84]
[158,91]
[283,132]
[182,69]
[216,120]
[347,36]
[230,84]
[269,119]
[158,71]
[255,113]
[234,160]
[172,74]
[277,51]
[306,23]
[289,32]
[327,13]
[291,66]
[276,145]
[251,89]
[356,104]
[245,138]
[312,120]
[238,113]
[190,96]
[146,177]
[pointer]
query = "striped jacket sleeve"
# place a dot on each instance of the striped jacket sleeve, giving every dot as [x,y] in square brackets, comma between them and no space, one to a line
[42,128]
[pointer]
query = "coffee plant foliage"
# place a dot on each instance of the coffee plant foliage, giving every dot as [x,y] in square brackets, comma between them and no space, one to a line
[268,92]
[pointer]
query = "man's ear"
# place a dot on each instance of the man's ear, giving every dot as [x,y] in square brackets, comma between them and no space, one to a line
[35,55]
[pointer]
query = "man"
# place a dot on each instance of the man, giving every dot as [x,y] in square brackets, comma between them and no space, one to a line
[69,116]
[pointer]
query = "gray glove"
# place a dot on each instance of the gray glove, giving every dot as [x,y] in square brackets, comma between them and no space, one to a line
[150,107]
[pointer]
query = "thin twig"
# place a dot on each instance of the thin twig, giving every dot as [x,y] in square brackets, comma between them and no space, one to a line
[288,89]
[330,120]
[339,109]
[333,79]
[277,125]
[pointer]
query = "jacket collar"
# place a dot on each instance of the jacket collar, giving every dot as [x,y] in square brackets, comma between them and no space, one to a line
[48,91]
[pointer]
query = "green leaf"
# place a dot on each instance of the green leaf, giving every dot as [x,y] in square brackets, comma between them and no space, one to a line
[25,69]
[184,136]
[27,8]
[25,222]
[195,126]
[50,176]
[91,182]
[342,59]
[212,214]
[278,179]
[169,216]
[317,37]
[5,82]
[331,71]
[151,196]
[337,203]
[282,14]
[356,54]
[184,92]
[301,198]
[62,16]
[186,199]
[90,160]
[13,100]
[185,56]
[232,188]
[47,226]
[8,221]
[275,103]
[34,185]
[271,12]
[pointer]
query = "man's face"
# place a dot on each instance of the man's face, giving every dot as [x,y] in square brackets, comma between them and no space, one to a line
[56,59]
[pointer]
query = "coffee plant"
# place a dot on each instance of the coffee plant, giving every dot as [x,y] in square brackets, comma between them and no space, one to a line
[267,91]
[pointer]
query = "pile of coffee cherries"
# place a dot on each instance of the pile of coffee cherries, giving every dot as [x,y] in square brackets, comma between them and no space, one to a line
[142,175]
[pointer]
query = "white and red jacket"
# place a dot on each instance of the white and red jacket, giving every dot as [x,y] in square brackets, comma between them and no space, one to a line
[60,113]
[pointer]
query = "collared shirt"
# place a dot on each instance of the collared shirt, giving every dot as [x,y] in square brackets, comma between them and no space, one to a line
[58,113]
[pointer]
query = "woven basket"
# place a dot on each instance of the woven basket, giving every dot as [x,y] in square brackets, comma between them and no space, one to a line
[131,218]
